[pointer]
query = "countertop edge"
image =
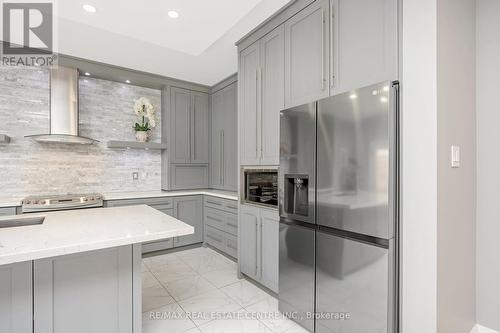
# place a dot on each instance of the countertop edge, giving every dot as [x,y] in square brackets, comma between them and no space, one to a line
[101,245]
[180,193]
[14,203]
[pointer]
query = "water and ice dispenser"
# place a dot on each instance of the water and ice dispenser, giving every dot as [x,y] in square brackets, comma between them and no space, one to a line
[297,195]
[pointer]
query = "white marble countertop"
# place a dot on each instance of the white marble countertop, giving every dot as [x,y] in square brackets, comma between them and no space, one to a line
[6,202]
[75,231]
[14,202]
[159,194]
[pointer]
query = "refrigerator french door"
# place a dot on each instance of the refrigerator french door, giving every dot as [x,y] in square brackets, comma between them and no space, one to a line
[338,212]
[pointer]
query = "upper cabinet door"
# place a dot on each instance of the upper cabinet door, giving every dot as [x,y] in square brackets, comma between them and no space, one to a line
[180,125]
[307,55]
[272,49]
[216,140]
[199,128]
[364,54]
[365,38]
[229,138]
[249,105]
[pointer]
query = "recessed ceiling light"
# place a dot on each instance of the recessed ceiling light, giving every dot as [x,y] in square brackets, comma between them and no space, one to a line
[127,81]
[353,96]
[173,14]
[383,99]
[89,8]
[87,74]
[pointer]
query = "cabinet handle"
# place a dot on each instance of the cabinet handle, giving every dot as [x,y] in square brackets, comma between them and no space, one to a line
[256,112]
[189,133]
[223,157]
[322,49]
[193,133]
[220,157]
[261,112]
[332,63]
[213,203]
[256,247]
[232,225]
[260,237]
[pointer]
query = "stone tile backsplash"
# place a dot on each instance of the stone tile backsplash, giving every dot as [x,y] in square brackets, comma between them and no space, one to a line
[106,113]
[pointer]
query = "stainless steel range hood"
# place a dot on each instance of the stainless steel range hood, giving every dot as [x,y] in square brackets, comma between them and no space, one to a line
[64,122]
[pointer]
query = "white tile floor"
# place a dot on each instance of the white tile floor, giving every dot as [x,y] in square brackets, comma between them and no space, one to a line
[202,287]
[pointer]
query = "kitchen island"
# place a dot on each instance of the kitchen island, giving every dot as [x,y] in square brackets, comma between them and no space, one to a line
[79,270]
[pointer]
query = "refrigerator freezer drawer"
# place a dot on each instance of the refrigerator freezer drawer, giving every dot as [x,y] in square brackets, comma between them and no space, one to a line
[353,286]
[296,274]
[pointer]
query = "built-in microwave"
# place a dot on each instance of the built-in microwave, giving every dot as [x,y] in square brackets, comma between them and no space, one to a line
[260,187]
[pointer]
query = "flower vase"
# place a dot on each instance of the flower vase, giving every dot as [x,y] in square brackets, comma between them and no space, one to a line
[141,136]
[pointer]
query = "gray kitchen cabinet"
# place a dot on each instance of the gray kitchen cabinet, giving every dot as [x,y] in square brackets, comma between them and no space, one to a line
[261,99]
[224,164]
[307,53]
[199,138]
[189,126]
[16,306]
[185,165]
[221,225]
[249,247]
[249,106]
[85,292]
[259,240]
[188,176]
[180,125]
[270,249]
[367,53]
[217,121]
[272,48]
[189,210]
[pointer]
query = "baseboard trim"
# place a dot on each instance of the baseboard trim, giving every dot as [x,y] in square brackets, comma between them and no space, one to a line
[482,329]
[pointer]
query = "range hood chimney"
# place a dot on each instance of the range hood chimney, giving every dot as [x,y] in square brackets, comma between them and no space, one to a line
[64,122]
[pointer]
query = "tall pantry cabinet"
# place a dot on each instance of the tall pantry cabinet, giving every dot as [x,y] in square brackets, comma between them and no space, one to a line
[261,96]
[224,158]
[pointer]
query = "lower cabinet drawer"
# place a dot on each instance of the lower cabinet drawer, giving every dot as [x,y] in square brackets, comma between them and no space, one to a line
[232,224]
[158,245]
[222,241]
[215,238]
[232,246]
[215,219]
[227,222]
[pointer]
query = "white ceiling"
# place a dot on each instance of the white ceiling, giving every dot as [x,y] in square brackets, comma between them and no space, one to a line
[197,47]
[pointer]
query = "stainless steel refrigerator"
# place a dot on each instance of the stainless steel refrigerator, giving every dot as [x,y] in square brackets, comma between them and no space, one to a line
[338,202]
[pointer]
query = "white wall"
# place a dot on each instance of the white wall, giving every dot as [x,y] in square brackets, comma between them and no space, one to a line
[419,166]
[456,283]
[488,163]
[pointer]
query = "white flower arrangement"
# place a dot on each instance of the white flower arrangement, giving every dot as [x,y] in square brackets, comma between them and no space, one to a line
[144,109]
